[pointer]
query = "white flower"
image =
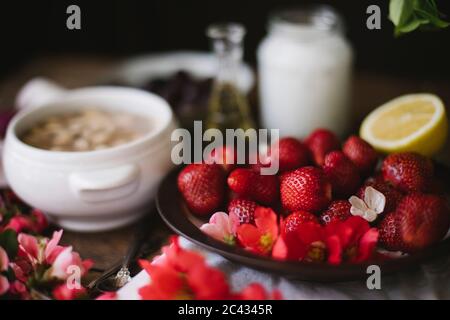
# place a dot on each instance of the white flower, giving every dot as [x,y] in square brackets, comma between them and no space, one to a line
[369,208]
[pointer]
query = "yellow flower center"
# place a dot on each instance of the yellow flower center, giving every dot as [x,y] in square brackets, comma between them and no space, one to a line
[316,252]
[230,240]
[266,242]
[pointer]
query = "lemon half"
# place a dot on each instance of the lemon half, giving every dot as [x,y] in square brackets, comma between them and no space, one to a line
[413,122]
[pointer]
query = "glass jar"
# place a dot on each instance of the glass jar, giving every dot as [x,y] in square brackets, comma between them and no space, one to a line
[304,66]
[228,107]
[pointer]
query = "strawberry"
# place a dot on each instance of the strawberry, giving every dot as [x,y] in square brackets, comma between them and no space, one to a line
[338,210]
[249,183]
[389,234]
[342,173]
[290,153]
[241,211]
[202,187]
[408,172]
[320,142]
[241,181]
[225,156]
[297,218]
[305,189]
[392,195]
[422,220]
[362,154]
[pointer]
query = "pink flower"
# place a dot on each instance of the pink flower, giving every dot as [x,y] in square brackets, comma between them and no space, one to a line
[4,285]
[18,289]
[63,292]
[182,274]
[40,222]
[4,262]
[107,296]
[261,237]
[21,268]
[19,224]
[219,227]
[35,222]
[40,250]
[65,259]
[52,249]
[255,291]
[351,240]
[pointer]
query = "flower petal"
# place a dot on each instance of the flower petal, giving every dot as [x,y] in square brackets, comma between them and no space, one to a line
[208,283]
[358,206]
[374,199]
[4,261]
[334,250]
[29,246]
[367,244]
[4,285]
[166,283]
[213,231]
[222,220]
[266,221]
[249,236]
[370,215]
[53,244]
[254,291]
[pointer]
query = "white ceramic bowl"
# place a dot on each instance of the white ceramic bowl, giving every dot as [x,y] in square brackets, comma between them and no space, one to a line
[138,70]
[93,190]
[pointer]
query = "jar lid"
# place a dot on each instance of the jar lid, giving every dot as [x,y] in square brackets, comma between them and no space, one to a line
[317,17]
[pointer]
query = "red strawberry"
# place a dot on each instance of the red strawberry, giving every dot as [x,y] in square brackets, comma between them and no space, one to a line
[338,210]
[320,142]
[249,183]
[241,180]
[422,220]
[389,234]
[202,187]
[290,153]
[342,173]
[297,218]
[225,156]
[362,154]
[241,211]
[392,195]
[409,172]
[305,189]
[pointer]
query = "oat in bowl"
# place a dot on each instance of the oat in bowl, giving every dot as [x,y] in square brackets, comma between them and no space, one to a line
[86,130]
[89,191]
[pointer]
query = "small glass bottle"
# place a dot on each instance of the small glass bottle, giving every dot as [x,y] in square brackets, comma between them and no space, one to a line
[228,107]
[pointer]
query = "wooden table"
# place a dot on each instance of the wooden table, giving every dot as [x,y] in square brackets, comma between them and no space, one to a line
[370,90]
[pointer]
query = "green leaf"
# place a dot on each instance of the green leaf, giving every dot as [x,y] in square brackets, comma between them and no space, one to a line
[426,5]
[408,27]
[409,15]
[432,19]
[400,11]
[8,241]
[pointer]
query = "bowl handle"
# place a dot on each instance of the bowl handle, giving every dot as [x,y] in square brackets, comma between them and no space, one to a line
[38,92]
[105,185]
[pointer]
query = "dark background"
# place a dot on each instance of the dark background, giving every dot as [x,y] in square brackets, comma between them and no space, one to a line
[130,27]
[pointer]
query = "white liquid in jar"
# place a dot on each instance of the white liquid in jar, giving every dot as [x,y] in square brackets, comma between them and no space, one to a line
[305,76]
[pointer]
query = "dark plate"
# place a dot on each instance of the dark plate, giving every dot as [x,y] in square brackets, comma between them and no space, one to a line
[176,215]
